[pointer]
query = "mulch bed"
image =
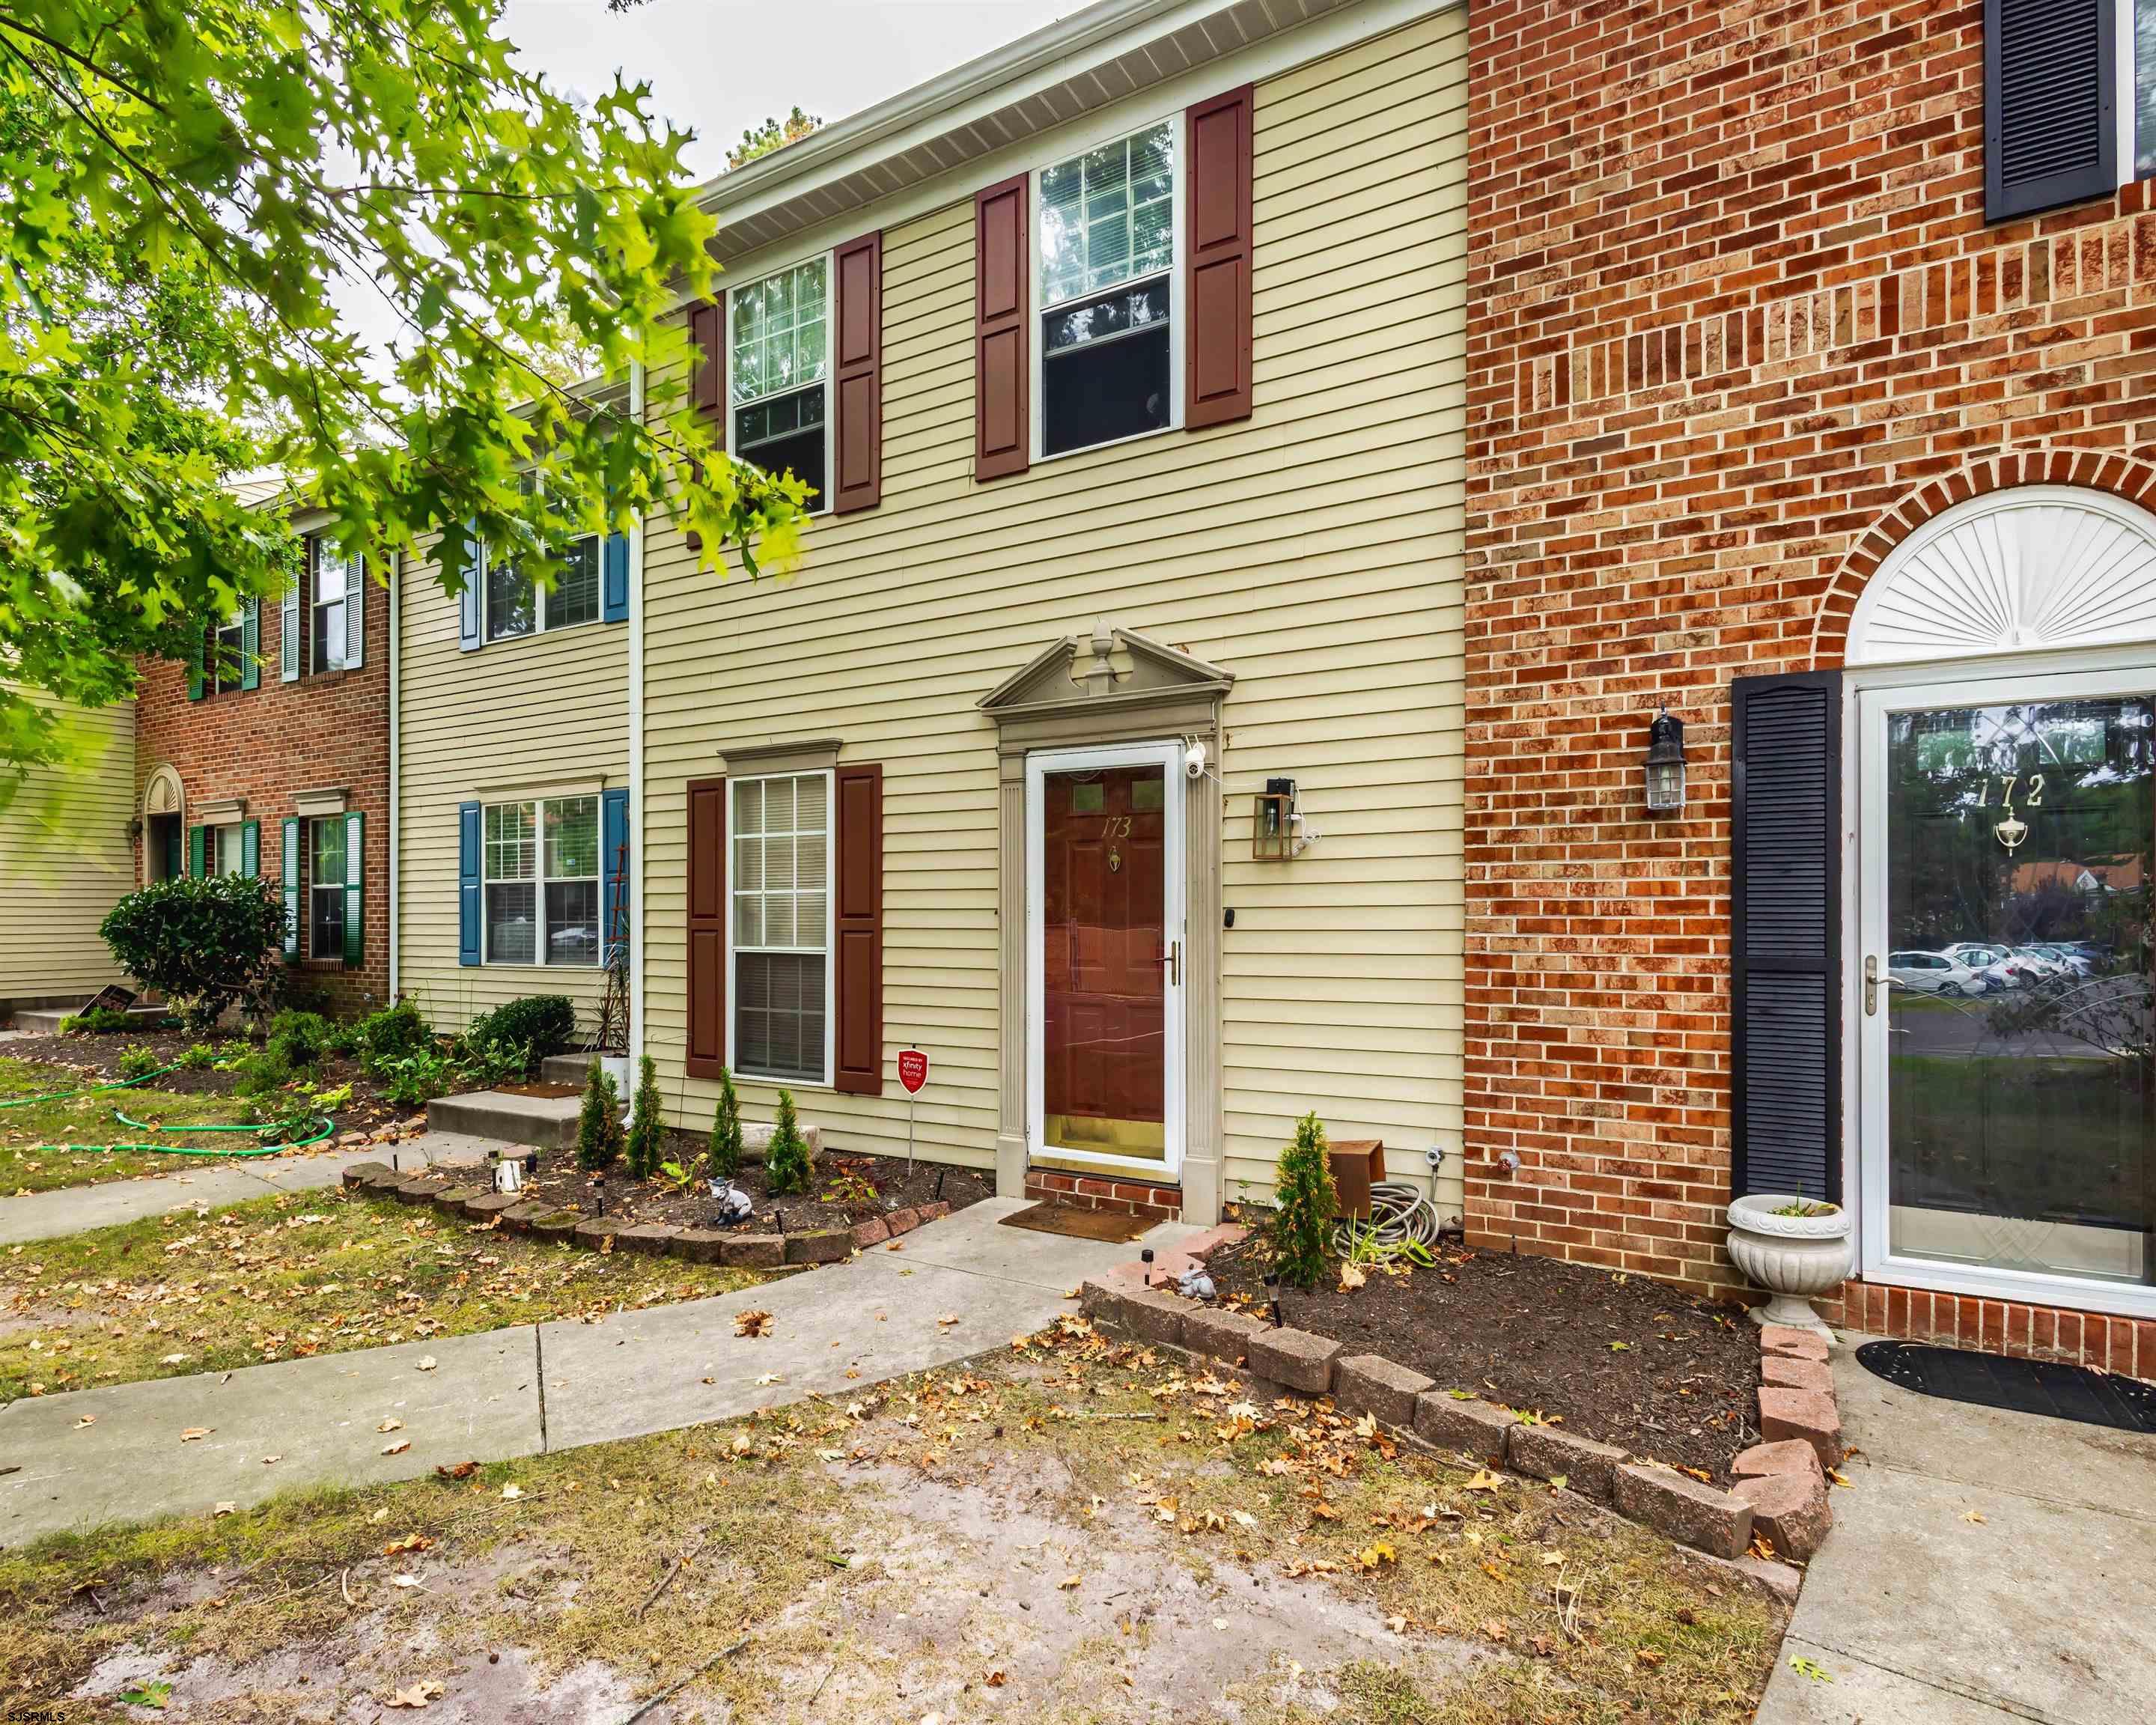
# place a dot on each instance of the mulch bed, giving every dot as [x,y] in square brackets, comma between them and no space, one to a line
[848,1190]
[98,1058]
[1620,1358]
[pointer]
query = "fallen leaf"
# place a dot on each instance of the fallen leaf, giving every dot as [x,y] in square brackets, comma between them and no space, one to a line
[752,1323]
[510,1494]
[1973,1514]
[1397,1624]
[391,1423]
[418,1695]
[397,1448]
[224,1509]
[1068,1583]
[995,1679]
[86,1419]
[1648,1657]
[426,1364]
[196,1433]
[1352,1277]
[1484,1481]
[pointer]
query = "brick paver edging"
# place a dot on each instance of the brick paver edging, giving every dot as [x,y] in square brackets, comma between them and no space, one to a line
[699,1245]
[1780,1491]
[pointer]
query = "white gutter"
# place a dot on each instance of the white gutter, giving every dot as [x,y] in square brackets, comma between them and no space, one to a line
[636,872]
[396,715]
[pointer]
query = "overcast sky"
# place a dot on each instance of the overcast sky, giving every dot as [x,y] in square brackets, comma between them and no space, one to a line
[718,66]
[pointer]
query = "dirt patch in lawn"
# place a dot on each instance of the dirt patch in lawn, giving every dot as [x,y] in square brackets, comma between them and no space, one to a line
[1619,1358]
[846,1190]
[1069,1532]
[290,1277]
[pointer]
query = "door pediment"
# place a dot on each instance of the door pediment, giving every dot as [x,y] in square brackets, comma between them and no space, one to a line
[1110,669]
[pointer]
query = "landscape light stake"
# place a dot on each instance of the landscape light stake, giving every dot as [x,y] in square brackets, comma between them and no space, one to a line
[940,1174]
[1272,1295]
[1144,1257]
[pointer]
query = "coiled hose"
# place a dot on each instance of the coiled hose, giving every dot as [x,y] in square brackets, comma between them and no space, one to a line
[323,1127]
[1400,1215]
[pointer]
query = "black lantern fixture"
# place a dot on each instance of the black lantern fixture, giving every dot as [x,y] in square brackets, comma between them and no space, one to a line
[1666,765]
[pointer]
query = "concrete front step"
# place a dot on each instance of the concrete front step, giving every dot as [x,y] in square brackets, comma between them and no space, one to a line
[549,1123]
[577,1067]
[45,1020]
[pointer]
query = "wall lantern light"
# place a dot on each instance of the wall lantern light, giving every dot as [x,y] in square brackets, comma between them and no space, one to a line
[1278,830]
[1666,765]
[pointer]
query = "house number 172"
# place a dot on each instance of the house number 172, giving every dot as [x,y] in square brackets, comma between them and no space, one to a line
[2034,800]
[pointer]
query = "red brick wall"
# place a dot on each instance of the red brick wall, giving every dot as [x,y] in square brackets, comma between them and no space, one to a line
[1735,318]
[267,745]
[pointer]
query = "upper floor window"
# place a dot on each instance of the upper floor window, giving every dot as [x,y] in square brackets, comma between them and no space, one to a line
[332,616]
[1104,227]
[517,605]
[779,375]
[228,653]
[2142,83]
[2069,101]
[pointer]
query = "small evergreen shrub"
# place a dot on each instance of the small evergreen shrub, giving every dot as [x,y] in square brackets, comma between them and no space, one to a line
[726,1148]
[392,1033]
[1304,1205]
[528,1031]
[647,1130]
[204,944]
[598,1127]
[786,1166]
[138,1062]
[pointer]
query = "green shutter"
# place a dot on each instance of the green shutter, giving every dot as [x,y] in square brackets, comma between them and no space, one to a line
[250,850]
[195,678]
[355,889]
[291,875]
[250,646]
[195,837]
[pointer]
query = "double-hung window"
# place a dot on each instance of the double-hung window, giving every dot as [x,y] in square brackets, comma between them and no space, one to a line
[1105,229]
[329,620]
[779,375]
[228,652]
[516,604]
[780,906]
[227,851]
[326,887]
[542,901]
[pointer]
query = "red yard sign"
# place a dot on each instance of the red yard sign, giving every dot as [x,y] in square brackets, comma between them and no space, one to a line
[913,1070]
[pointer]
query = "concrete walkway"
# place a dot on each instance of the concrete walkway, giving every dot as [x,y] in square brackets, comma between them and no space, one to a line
[1984,1568]
[74,1209]
[531,1390]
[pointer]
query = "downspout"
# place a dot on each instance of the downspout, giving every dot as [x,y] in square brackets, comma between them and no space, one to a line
[636,883]
[396,696]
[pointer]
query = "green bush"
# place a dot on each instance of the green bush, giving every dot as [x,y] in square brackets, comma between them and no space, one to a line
[204,944]
[197,1059]
[598,1127]
[303,1038]
[536,1027]
[392,1033]
[725,1146]
[647,1127]
[786,1166]
[139,1062]
[265,1073]
[98,1021]
[413,1079]
[1306,1204]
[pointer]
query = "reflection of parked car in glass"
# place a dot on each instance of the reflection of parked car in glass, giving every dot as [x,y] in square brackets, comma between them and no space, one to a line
[1996,964]
[1934,973]
[2074,963]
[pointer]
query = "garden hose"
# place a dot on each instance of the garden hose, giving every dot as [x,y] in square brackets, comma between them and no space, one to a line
[88,1090]
[1400,1215]
[326,1127]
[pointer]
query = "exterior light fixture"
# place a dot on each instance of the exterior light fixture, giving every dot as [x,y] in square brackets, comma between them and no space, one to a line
[1666,765]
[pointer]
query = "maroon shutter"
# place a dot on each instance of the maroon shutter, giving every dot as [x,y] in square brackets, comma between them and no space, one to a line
[708,926]
[858,360]
[1002,416]
[859,1067]
[707,340]
[1217,282]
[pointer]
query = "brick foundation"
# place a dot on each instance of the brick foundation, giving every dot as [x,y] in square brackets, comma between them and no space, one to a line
[2124,1345]
[1130,1198]
[1736,322]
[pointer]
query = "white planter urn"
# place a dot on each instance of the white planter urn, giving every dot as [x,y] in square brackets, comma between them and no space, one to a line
[1795,1257]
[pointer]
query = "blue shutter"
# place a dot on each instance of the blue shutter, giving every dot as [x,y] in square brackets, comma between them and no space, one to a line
[470,630]
[468,886]
[614,870]
[615,601]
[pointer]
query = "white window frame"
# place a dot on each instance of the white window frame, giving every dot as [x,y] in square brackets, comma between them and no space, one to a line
[541,596]
[831,955]
[309,826]
[1178,313]
[214,682]
[539,881]
[318,552]
[213,839]
[822,504]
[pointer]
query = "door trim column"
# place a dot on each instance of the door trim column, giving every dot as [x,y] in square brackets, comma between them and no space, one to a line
[1128,689]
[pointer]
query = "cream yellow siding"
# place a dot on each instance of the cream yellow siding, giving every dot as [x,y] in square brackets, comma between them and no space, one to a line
[1316,550]
[65,858]
[543,715]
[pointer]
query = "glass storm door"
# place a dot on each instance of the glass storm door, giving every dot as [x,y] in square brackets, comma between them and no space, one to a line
[1105,930]
[2004,1015]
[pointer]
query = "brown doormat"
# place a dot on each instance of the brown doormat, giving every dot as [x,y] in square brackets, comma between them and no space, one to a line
[548,1093]
[1111,1225]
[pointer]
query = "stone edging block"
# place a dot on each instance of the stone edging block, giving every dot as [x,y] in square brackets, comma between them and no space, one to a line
[1674,1504]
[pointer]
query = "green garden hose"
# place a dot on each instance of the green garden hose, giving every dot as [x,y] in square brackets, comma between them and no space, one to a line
[326,1127]
[88,1090]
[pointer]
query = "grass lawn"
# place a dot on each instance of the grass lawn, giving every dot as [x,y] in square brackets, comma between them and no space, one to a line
[302,1273]
[1068,1533]
[27,1164]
